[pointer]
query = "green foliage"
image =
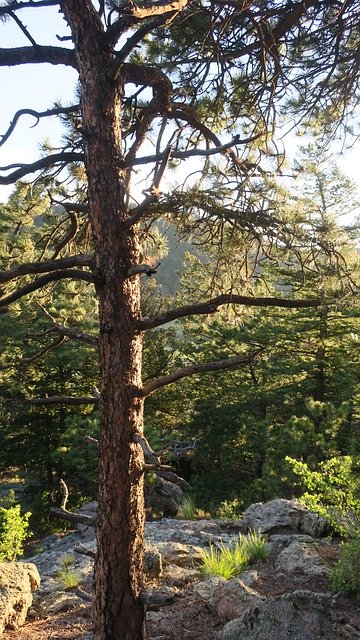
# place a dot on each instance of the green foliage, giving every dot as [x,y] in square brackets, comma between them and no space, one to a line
[345,576]
[13,532]
[66,575]
[229,510]
[229,561]
[331,491]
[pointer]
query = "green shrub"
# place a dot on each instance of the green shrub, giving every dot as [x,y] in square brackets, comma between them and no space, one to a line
[227,561]
[229,509]
[13,532]
[345,576]
[331,492]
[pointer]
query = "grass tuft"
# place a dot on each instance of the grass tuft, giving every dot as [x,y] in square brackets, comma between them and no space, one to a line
[229,561]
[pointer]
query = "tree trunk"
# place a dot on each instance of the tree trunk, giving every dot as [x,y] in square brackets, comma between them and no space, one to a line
[118,615]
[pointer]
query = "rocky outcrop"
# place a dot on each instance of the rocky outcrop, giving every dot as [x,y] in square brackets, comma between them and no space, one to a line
[18,581]
[288,596]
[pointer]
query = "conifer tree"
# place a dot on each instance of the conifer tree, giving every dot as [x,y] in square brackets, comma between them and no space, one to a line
[200,81]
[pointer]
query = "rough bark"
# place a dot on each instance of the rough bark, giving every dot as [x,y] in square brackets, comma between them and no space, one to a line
[118,612]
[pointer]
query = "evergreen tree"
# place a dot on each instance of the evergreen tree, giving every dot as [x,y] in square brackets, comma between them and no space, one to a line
[210,81]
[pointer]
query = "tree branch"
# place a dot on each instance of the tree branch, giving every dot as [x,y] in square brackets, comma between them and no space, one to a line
[37,55]
[66,331]
[211,306]
[23,28]
[73,274]
[183,155]
[66,400]
[81,260]
[203,367]
[18,6]
[36,114]
[48,161]
[45,350]
[146,269]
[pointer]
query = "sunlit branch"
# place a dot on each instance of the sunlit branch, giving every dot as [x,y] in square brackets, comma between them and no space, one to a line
[131,14]
[212,306]
[62,512]
[81,260]
[44,163]
[38,283]
[203,367]
[36,114]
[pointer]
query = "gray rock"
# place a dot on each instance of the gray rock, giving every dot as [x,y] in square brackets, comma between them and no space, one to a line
[181,554]
[18,581]
[152,563]
[178,575]
[249,577]
[301,615]
[284,514]
[205,589]
[163,498]
[278,542]
[232,598]
[301,558]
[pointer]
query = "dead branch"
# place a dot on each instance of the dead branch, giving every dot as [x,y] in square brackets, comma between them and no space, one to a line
[17,6]
[154,599]
[183,155]
[79,548]
[154,191]
[91,440]
[203,367]
[45,350]
[76,518]
[155,9]
[155,464]
[23,28]
[62,512]
[72,274]
[81,260]
[212,306]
